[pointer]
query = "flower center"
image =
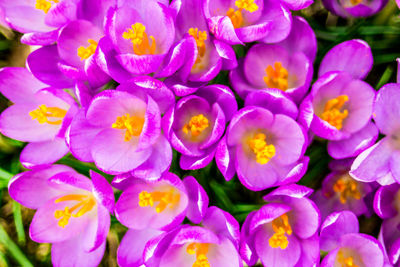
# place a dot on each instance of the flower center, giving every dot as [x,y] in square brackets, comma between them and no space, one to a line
[201,250]
[281,228]
[277,76]
[44,114]
[142,44]
[84,205]
[332,112]
[261,149]
[196,125]
[345,261]
[164,199]
[200,37]
[236,16]
[45,5]
[355,2]
[132,124]
[346,188]
[86,52]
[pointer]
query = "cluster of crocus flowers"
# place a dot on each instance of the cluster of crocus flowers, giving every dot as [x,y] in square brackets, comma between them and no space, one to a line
[133,86]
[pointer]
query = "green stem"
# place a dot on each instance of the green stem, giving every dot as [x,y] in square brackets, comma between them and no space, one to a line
[19,226]
[14,250]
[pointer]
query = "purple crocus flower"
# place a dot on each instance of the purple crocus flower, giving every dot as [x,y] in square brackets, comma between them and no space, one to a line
[120,129]
[197,55]
[136,43]
[39,20]
[162,204]
[264,145]
[215,243]
[40,115]
[238,22]
[381,162]
[386,205]
[339,236]
[339,107]
[286,66]
[284,231]
[354,8]
[197,122]
[341,192]
[73,212]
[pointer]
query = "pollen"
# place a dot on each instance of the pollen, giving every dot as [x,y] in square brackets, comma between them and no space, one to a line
[50,115]
[345,261]
[200,38]
[201,250]
[346,188]
[355,2]
[132,124]
[196,125]
[277,76]
[263,152]
[86,52]
[142,43]
[282,228]
[164,199]
[45,5]
[236,15]
[333,113]
[84,205]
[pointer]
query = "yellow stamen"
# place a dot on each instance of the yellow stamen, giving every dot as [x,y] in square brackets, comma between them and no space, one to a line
[355,2]
[346,188]
[84,205]
[140,41]
[132,124]
[196,125]
[43,114]
[261,149]
[332,111]
[200,37]
[277,76]
[281,228]
[236,16]
[345,261]
[86,52]
[201,250]
[45,5]
[167,198]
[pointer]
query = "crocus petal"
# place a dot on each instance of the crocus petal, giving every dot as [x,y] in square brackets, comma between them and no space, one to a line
[102,190]
[196,162]
[224,158]
[43,63]
[297,4]
[130,250]
[395,165]
[40,38]
[46,152]
[20,186]
[222,28]
[373,163]
[276,12]
[198,200]
[355,58]
[386,109]
[335,226]
[383,201]
[71,253]
[224,254]
[354,145]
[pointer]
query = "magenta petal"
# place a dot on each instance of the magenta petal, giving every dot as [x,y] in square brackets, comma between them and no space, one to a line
[196,162]
[373,163]
[355,58]
[276,12]
[112,154]
[96,232]
[336,225]
[224,158]
[157,163]
[131,248]
[45,229]
[143,64]
[46,152]
[103,191]
[20,186]
[71,253]
[297,4]
[223,29]
[18,84]
[198,200]
[354,145]
[43,63]
[254,32]
[386,108]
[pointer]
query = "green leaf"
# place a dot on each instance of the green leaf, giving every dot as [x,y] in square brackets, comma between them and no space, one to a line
[19,226]
[13,249]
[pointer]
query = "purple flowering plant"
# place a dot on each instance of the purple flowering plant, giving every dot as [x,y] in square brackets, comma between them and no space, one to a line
[200,133]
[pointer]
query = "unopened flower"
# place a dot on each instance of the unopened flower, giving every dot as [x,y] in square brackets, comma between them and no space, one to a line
[354,8]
